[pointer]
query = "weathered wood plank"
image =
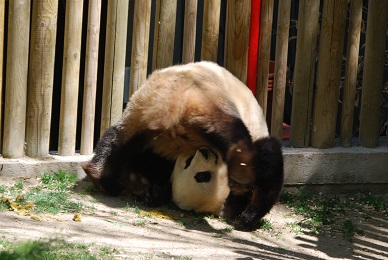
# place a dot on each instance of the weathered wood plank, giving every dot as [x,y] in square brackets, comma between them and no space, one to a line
[189,31]
[237,38]
[280,80]
[211,27]
[163,50]
[2,15]
[351,69]
[41,77]
[264,53]
[70,77]
[114,67]
[373,73]
[328,73]
[140,41]
[16,78]
[90,81]
[304,73]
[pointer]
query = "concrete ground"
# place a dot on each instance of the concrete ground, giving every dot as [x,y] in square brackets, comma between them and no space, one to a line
[137,232]
[168,233]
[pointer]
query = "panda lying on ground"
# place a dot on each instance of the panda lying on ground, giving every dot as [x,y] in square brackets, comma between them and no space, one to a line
[177,111]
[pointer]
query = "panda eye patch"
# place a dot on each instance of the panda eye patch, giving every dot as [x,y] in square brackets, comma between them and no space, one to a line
[205,153]
[188,161]
[203,176]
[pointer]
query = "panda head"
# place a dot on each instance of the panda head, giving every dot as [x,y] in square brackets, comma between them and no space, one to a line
[200,182]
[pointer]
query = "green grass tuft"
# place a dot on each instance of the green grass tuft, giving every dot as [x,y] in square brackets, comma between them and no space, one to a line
[52,250]
[349,229]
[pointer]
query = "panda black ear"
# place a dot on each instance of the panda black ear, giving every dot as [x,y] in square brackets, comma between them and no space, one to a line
[188,161]
[204,152]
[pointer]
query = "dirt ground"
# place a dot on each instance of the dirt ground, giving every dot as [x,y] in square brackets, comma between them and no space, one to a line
[138,232]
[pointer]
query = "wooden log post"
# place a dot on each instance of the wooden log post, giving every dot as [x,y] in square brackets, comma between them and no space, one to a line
[189,30]
[264,53]
[114,67]
[373,73]
[2,15]
[165,19]
[304,73]
[237,38]
[211,27]
[41,77]
[16,78]
[70,78]
[328,73]
[140,42]
[351,69]
[280,82]
[90,81]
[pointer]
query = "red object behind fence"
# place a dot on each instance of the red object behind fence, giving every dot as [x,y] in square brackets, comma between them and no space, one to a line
[253,45]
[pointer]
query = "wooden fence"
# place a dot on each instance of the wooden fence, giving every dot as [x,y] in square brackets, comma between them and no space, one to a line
[28,51]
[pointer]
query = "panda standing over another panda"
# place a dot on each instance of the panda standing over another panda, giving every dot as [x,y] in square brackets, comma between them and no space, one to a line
[179,113]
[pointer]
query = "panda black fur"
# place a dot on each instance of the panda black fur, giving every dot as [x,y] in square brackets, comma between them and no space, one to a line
[177,111]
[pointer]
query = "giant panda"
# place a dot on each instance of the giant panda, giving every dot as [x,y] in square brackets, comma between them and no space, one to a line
[177,111]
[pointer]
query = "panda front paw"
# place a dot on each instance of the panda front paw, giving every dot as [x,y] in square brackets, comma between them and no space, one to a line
[157,195]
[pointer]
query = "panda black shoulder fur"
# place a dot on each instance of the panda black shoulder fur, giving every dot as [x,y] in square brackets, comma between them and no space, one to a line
[177,111]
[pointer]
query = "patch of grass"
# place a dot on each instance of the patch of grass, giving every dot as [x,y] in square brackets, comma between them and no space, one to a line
[349,229]
[227,230]
[59,180]
[266,225]
[52,250]
[53,202]
[318,211]
[3,189]
[295,227]
[52,195]
[140,223]
[91,189]
[377,203]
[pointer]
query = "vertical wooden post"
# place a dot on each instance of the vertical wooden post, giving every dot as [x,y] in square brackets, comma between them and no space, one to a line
[2,15]
[237,37]
[280,69]
[304,73]
[114,67]
[41,77]
[264,53]
[351,72]
[165,18]
[70,77]
[189,30]
[373,73]
[90,82]
[140,41]
[16,78]
[211,27]
[328,73]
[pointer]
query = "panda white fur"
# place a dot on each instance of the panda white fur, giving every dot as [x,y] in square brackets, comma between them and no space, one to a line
[200,182]
[177,111]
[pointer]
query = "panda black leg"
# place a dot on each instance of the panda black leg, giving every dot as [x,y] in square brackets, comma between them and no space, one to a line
[269,173]
[119,166]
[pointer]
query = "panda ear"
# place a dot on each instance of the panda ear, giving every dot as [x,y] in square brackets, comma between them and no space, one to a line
[188,161]
[204,152]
